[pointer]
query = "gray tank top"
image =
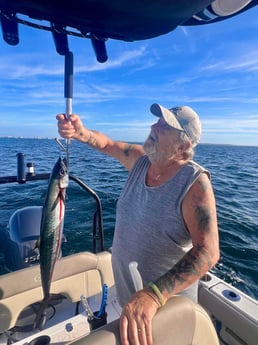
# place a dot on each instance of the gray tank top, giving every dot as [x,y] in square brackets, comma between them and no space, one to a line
[149,227]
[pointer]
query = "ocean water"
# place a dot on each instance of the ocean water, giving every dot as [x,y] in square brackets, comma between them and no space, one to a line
[234,178]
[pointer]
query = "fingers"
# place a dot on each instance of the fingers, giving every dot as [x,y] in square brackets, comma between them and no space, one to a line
[66,128]
[62,117]
[136,320]
[124,330]
[131,332]
[135,332]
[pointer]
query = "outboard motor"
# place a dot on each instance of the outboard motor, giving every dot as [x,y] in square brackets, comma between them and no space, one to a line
[24,229]
[24,232]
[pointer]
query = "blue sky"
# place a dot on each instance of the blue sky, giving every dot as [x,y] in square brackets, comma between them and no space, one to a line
[212,68]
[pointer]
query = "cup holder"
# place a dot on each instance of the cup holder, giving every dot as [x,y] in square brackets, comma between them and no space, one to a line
[42,340]
[231,295]
[206,278]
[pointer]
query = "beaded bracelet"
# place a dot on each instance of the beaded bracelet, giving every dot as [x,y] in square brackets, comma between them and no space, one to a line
[157,292]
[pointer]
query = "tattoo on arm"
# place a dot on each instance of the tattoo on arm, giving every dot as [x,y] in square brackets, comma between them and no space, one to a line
[190,265]
[198,260]
[204,217]
[204,185]
[202,213]
[127,150]
[92,141]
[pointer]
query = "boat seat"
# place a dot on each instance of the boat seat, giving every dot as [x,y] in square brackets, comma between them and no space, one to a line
[24,224]
[74,275]
[179,322]
[24,230]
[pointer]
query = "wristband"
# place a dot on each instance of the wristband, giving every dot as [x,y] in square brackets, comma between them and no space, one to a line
[157,292]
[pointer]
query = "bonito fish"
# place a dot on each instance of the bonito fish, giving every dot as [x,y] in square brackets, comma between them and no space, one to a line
[51,231]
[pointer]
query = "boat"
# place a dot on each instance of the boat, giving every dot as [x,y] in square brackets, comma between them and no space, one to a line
[224,315]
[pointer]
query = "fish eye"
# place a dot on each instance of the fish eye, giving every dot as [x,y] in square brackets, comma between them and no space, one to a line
[62,171]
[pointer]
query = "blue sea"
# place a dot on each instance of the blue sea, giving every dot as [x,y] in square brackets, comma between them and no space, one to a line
[234,171]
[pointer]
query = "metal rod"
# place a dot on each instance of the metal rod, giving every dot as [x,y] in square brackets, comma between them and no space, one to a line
[68,93]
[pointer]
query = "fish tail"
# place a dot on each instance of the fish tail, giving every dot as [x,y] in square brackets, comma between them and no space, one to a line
[40,319]
[41,316]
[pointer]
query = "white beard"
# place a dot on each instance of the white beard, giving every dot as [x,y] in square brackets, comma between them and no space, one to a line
[150,149]
[149,146]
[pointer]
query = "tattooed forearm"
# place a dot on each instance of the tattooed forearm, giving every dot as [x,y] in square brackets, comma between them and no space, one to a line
[186,271]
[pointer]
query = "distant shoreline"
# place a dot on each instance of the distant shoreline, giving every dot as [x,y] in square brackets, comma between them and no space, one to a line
[52,138]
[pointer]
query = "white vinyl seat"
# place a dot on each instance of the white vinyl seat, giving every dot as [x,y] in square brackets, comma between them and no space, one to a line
[179,322]
[74,275]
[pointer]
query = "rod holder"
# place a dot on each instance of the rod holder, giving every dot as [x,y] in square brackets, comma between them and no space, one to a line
[99,47]
[10,29]
[60,40]
[21,175]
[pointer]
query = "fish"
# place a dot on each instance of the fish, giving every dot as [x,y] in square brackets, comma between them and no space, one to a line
[51,232]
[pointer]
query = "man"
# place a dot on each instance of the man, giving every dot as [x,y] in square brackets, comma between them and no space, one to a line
[166,216]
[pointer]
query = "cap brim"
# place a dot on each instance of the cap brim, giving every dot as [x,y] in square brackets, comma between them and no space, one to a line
[167,115]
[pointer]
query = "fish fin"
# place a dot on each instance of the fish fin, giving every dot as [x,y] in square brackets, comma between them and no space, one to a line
[60,196]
